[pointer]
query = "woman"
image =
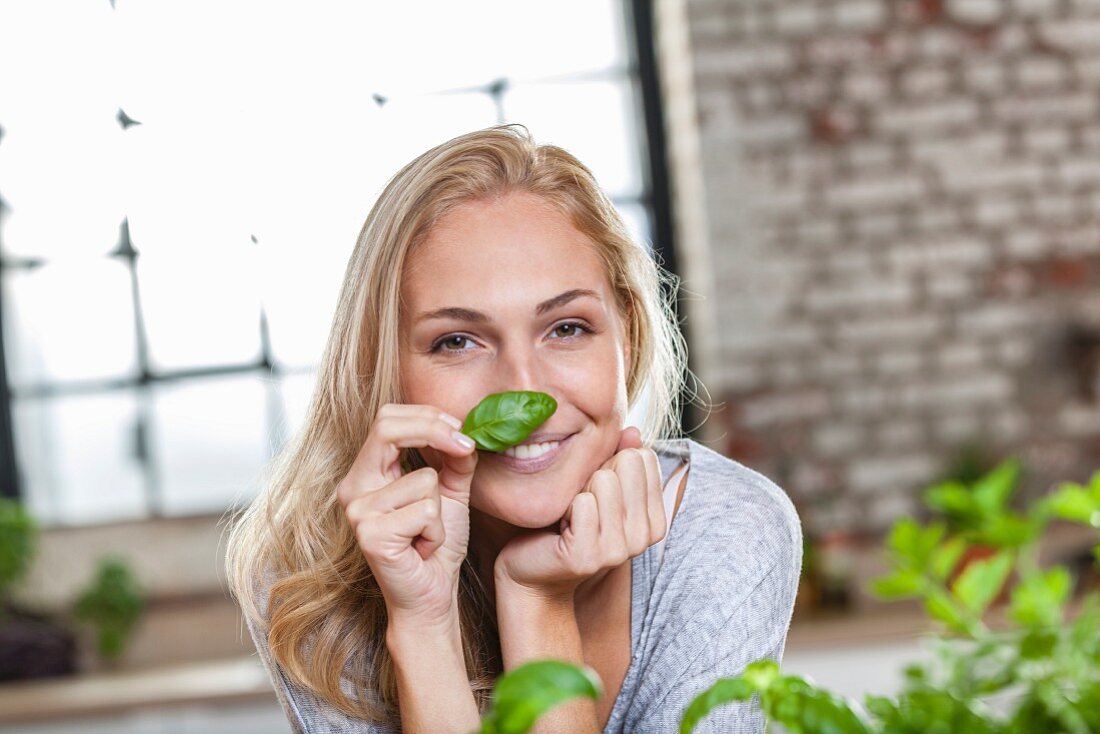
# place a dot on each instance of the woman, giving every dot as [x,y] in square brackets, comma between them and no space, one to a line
[390,572]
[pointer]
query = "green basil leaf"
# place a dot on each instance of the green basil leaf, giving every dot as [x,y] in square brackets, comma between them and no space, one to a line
[505,419]
[523,695]
[947,557]
[1074,502]
[900,584]
[1039,600]
[981,581]
[992,491]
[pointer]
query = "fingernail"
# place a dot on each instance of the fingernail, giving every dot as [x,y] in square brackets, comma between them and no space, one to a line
[463,440]
[451,420]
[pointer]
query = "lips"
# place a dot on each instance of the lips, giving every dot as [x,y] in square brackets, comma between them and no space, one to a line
[543,437]
[529,466]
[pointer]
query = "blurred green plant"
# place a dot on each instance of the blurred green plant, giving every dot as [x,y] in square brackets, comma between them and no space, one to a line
[1036,672]
[17,537]
[529,691]
[112,603]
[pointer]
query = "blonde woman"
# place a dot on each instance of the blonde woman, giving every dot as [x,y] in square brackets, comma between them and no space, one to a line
[390,572]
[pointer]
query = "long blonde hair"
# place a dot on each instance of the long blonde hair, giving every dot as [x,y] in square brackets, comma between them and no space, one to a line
[325,615]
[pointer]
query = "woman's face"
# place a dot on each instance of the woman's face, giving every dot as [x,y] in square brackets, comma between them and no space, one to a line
[507,295]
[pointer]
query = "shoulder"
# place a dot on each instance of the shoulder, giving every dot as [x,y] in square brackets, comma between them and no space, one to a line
[729,507]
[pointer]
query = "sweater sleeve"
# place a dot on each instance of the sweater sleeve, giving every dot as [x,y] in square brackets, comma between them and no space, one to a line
[307,713]
[724,599]
[754,631]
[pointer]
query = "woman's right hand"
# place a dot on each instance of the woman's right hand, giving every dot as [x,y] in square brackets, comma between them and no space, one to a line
[413,529]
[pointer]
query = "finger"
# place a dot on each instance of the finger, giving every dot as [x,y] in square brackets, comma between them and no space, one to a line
[582,535]
[456,474]
[412,487]
[433,534]
[391,534]
[377,462]
[609,500]
[632,472]
[630,438]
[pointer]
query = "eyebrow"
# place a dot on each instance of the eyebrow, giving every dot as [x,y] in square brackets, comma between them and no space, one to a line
[469,314]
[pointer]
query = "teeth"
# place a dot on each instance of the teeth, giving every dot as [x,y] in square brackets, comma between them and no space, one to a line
[530,451]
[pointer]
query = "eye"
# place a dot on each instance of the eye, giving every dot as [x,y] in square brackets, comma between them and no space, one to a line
[451,343]
[573,329]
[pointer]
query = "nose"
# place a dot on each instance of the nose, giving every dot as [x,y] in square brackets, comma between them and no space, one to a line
[520,369]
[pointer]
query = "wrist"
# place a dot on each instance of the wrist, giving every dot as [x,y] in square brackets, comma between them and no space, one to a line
[403,629]
[507,588]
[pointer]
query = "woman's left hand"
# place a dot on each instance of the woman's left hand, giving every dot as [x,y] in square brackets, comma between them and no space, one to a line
[617,516]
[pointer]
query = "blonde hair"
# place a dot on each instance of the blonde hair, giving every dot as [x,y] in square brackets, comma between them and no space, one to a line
[325,615]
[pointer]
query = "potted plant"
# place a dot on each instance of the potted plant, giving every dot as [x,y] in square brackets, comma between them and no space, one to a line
[112,604]
[32,644]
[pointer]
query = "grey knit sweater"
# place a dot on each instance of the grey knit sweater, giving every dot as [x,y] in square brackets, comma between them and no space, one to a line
[717,596]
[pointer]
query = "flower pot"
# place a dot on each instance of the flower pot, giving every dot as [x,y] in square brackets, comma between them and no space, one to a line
[34,646]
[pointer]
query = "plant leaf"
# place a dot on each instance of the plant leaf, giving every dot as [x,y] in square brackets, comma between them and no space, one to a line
[940,606]
[504,419]
[913,544]
[946,557]
[981,581]
[1074,502]
[723,691]
[992,491]
[953,499]
[1038,600]
[521,696]
[900,584]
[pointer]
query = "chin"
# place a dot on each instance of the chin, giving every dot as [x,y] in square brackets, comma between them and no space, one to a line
[534,512]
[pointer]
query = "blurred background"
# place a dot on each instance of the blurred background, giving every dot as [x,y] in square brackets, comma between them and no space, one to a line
[884,213]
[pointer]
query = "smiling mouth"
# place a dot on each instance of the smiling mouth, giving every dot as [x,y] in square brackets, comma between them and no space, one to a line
[532,457]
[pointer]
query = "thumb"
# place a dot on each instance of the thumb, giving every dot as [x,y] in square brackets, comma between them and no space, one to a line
[456,475]
[630,438]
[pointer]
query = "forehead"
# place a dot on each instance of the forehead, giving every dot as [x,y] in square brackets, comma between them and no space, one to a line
[518,247]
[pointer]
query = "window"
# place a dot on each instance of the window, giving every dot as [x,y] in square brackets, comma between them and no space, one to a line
[182,188]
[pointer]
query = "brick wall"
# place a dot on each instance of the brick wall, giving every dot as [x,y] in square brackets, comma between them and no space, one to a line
[902,200]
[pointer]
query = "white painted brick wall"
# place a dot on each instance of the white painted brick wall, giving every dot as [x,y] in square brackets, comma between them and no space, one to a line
[1078,34]
[976,11]
[939,117]
[1064,107]
[877,331]
[859,296]
[956,253]
[900,435]
[884,284]
[833,439]
[882,473]
[859,15]
[959,356]
[797,19]
[784,407]
[995,319]
[948,286]
[1038,73]
[967,175]
[875,192]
